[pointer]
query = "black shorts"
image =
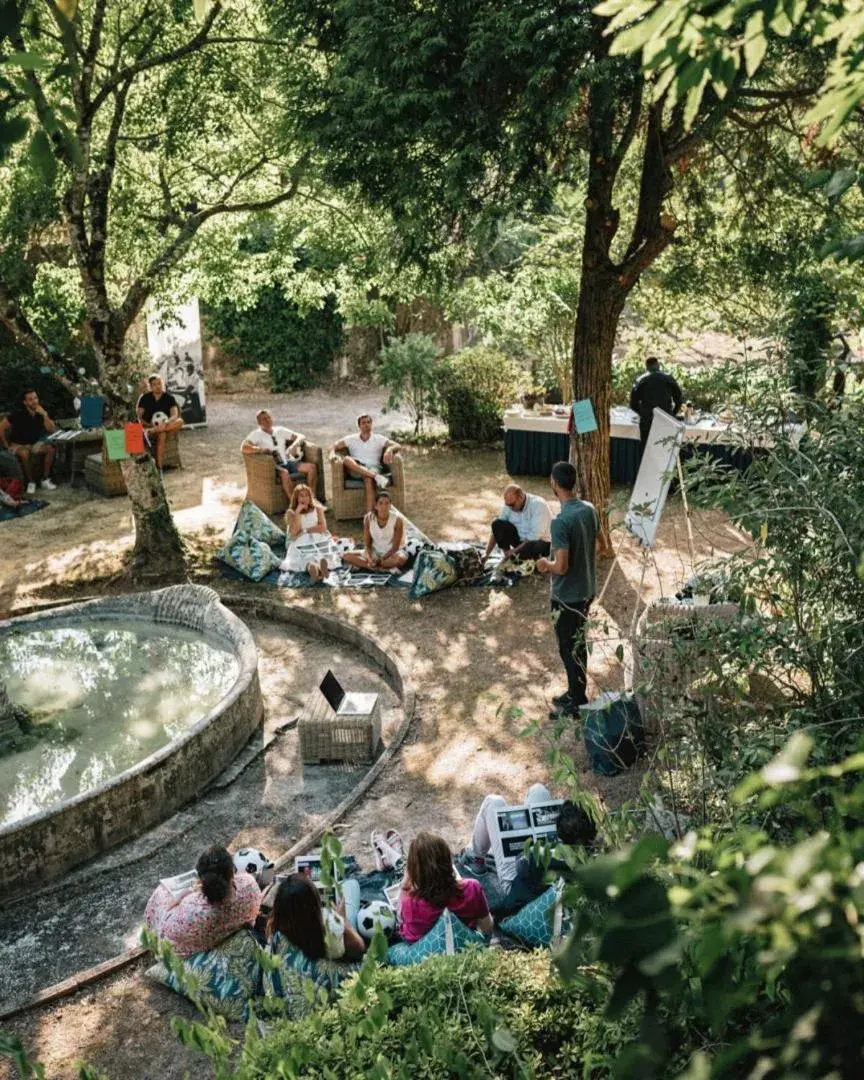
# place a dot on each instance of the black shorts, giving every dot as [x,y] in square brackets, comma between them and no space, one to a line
[293,470]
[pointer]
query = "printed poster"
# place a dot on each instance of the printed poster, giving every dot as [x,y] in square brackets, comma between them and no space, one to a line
[174,341]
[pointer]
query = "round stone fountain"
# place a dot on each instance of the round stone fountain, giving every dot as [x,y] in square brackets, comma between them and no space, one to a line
[133,705]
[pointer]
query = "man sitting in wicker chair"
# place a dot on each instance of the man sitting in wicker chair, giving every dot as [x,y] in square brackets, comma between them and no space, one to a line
[286,447]
[368,456]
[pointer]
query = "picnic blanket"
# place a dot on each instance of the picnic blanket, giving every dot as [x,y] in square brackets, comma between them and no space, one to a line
[8,514]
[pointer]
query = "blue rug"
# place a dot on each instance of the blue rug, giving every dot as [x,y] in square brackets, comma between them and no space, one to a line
[8,514]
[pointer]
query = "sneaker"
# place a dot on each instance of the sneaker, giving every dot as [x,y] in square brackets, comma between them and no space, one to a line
[382,481]
[562,701]
[48,484]
[31,488]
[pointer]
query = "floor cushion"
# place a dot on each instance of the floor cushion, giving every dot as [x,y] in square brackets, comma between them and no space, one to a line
[448,936]
[227,977]
[300,982]
[252,558]
[540,922]
[252,521]
[433,570]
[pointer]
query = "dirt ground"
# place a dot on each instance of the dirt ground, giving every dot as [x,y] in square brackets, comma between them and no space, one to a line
[483,661]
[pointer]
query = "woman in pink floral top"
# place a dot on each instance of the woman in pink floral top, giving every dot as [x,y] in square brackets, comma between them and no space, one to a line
[204,916]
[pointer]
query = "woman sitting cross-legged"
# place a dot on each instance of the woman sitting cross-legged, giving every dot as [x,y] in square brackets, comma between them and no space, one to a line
[308,943]
[383,537]
[222,902]
[431,885]
[304,518]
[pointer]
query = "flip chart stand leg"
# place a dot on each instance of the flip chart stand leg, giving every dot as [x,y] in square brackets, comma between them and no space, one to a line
[612,566]
[645,554]
[686,513]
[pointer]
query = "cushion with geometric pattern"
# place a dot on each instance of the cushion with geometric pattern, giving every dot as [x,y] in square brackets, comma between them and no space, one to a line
[540,922]
[449,935]
[253,558]
[252,521]
[433,570]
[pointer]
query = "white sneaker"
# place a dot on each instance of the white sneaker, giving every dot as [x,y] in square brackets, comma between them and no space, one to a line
[31,488]
[48,484]
[382,481]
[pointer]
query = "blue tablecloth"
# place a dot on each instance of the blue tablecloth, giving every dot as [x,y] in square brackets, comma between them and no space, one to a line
[533,453]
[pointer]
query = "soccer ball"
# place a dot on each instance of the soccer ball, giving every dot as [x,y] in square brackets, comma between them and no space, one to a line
[255,862]
[159,418]
[373,914]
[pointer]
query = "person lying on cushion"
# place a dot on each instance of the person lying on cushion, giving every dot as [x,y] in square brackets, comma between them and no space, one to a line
[223,901]
[308,943]
[523,879]
[430,885]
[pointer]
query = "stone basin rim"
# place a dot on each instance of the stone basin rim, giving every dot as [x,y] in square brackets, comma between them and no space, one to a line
[107,610]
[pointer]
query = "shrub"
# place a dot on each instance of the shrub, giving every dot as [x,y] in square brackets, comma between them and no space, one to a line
[409,371]
[477,384]
[297,349]
[492,1013]
[19,371]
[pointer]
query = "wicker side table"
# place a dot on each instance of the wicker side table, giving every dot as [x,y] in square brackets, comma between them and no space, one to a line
[351,733]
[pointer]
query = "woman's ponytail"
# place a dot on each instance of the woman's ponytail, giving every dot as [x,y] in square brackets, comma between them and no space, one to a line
[215,871]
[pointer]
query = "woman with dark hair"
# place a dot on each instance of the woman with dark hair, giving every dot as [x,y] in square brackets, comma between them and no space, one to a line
[307,943]
[222,902]
[383,538]
[431,885]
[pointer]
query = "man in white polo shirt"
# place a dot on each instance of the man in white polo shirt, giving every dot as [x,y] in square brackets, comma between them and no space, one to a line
[368,457]
[286,446]
[523,527]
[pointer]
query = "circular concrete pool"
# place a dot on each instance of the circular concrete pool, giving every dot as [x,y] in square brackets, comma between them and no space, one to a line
[138,701]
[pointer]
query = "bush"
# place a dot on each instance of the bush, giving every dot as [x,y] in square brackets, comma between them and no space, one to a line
[409,371]
[492,1013]
[707,389]
[477,385]
[297,349]
[20,371]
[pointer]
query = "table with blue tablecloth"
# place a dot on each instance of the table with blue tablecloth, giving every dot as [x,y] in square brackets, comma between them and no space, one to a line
[533,443]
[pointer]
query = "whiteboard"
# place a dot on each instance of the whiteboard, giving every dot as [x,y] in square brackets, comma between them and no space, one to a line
[654,477]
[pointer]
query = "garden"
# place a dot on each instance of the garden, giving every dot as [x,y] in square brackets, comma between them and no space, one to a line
[480,227]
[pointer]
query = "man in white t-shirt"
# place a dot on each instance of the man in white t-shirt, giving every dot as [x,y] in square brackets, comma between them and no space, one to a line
[368,456]
[286,448]
[523,527]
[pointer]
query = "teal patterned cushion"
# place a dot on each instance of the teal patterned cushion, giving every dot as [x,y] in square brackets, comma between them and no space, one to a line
[252,521]
[535,924]
[433,570]
[227,976]
[449,935]
[297,975]
[253,558]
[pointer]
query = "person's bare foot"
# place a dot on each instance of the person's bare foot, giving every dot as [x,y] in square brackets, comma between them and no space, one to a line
[313,572]
[324,568]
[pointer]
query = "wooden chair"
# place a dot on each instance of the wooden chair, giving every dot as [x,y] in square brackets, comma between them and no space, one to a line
[350,503]
[106,477]
[263,486]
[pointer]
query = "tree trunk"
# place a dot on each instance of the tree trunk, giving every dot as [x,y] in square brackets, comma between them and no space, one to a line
[601,300]
[159,553]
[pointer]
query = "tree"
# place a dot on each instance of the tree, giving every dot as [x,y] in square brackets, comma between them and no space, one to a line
[148,128]
[453,115]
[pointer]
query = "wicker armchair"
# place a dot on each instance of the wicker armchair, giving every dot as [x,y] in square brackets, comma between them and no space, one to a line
[350,503]
[263,486]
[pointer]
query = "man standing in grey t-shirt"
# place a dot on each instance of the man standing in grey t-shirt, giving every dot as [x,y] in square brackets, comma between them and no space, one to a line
[573,577]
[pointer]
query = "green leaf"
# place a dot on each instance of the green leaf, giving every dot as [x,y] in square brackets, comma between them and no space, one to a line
[42,156]
[755,42]
[840,182]
[503,1040]
[817,179]
[28,61]
[200,8]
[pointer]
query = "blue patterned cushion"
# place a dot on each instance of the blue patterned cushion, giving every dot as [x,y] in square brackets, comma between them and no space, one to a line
[253,558]
[433,570]
[227,976]
[449,935]
[297,975]
[252,521]
[535,923]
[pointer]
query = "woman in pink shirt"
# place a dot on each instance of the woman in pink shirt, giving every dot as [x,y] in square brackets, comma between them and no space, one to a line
[203,917]
[431,885]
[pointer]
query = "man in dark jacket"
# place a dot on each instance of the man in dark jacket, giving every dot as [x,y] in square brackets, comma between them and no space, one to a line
[655,389]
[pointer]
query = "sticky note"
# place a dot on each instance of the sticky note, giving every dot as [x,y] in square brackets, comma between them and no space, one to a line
[134,438]
[115,444]
[583,416]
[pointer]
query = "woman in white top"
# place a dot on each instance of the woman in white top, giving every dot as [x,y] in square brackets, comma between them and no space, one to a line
[303,519]
[383,536]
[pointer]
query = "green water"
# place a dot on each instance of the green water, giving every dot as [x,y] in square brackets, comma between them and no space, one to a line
[113,693]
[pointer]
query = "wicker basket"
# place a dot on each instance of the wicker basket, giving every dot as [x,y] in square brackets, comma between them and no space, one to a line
[326,735]
[350,503]
[262,483]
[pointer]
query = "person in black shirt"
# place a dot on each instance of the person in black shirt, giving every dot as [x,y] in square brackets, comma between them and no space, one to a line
[159,412]
[654,389]
[23,433]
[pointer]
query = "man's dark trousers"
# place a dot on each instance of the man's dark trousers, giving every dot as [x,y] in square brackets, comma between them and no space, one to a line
[506,537]
[570,620]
